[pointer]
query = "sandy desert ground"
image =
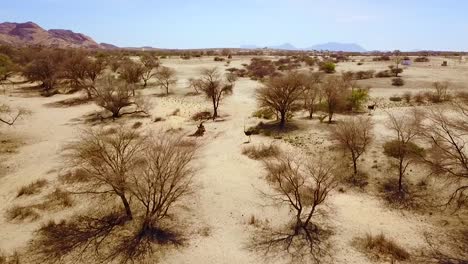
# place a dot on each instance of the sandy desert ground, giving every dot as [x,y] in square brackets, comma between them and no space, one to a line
[228,182]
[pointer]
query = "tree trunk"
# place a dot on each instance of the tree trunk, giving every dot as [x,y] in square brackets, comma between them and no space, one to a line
[128,210]
[283,119]
[144,83]
[400,178]
[215,109]
[330,116]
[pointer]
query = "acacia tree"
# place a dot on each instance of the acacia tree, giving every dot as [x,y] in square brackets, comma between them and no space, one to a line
[131,72]
[45,67]
[304,188]
[7,68]
[150,63]
[165,78]
[74,69]
[114,95]
[94,70]
[108,159]
[406,129]
[334,90]
[215,87]
[448,156]
[312,92]
[397,59]
[354,135]
[282,94]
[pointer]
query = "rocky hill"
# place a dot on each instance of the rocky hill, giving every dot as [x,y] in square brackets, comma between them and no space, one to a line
[29,33]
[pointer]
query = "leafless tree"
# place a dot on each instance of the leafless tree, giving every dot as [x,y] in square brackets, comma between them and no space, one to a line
[354,135]
[195,84]
[150,175]
[334,90]
[108,160]
[312,92]
[282,94]
[166,77]
[114,95]
[165,177]
[150,63]
[406,129]
[215,87]
[448,156]
[9,116]
[440,93]
[304,189]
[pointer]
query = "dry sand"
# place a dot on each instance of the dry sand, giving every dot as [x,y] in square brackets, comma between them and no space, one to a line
[229,182]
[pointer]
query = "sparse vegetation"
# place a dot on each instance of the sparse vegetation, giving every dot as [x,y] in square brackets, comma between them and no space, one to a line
[33,188]
[261,151]
[382,248]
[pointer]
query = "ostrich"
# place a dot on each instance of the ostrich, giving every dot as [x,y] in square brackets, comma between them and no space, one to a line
[248,133]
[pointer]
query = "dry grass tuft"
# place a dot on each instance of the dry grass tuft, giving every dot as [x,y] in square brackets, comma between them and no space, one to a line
[74,176]
[21,213]
[33,188]
[261,151]
[381,247]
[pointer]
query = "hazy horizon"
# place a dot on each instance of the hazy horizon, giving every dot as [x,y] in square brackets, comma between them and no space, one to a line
[417,25]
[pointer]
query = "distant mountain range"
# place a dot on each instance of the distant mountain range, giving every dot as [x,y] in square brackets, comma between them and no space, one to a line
[29,33]
[330,46]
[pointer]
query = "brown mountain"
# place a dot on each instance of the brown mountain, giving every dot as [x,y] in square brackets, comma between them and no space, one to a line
[29,33]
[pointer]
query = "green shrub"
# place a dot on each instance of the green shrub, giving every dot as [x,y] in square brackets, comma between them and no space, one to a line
[328,67]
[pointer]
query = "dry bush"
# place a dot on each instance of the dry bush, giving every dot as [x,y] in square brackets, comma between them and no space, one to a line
[398,82]
[419,98]
[335,91]
[200,116]
[383,74]
[312,92]
[395,98]
[303,188]
[264,113]
[74,176]
[261,151]
[57,199]
[260,68]
[9,116]
[113,96]
[21,213]
[382,248]
[408,96]
[421,59]
[440,93]
[354,136]
[32,188]
[10,259]
[282,94]
[166,77]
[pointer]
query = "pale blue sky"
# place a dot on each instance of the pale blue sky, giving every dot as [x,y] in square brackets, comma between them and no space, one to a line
[376,24]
